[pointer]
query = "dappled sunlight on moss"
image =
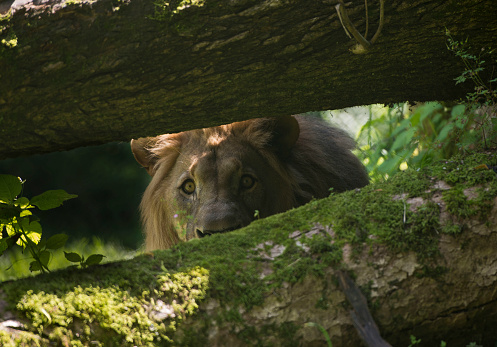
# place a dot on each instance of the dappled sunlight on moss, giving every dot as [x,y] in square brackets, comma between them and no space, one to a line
[76,316]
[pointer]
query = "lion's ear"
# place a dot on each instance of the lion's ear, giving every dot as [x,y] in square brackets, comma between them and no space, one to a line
[143,155]
[286,132]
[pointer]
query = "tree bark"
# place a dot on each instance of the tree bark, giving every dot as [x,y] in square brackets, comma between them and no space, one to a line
[84,73]
[269,282]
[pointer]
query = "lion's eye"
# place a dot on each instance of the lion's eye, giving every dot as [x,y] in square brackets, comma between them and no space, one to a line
[247,182]
[188,187]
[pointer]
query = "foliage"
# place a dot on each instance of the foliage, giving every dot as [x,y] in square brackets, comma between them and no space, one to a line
[414,341]
[93,259]
[14,259]
[20,227]
[481,114]
[402,136]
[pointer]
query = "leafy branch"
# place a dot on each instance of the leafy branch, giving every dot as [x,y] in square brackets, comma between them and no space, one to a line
[481,113]
[20,228]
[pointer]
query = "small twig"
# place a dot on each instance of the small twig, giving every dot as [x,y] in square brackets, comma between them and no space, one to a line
[382,19]
[349,27]
[362,45]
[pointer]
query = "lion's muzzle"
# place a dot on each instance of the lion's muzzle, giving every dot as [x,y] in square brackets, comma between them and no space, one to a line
[218,217]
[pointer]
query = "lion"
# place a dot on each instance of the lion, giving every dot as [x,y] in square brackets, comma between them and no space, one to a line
[219,179]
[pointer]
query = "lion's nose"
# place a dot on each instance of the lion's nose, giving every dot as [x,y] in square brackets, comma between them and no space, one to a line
[219,216]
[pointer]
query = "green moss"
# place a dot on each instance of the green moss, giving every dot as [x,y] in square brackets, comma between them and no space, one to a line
[466,170]
[147,314]
[463,173]
[8,38]
[22,339]
[143,301]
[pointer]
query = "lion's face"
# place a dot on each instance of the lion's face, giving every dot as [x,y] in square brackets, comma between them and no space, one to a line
[211,181]
[218,179]
[220,188]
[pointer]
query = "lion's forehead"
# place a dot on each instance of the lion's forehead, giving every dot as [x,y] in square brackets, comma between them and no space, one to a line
[225,158]
[212,163]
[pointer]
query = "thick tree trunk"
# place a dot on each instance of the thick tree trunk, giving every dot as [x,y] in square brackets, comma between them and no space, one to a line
[91,72]
[425,260]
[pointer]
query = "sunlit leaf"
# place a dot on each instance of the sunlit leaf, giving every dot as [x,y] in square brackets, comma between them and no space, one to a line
[25,213]
[32,230]
[10,188]
[9,228]
[51,199]
[22,202]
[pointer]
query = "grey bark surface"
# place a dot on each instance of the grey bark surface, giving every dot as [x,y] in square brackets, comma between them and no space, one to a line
[94,72]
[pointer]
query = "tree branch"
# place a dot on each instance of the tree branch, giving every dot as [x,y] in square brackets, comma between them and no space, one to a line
[74,74]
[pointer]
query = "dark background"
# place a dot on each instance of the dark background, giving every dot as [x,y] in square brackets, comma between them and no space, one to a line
[109,184]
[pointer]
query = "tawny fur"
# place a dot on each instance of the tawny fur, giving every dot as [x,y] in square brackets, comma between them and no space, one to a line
[303,160]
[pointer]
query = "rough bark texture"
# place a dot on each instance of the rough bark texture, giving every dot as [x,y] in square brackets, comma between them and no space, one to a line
[90,73]
[426,261]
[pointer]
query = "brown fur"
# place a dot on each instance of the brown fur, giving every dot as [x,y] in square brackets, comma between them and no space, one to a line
[214,179]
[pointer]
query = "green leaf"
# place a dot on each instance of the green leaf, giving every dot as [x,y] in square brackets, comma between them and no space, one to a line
[44,257]
[51,199]
[457,111]
[94,259]
[25,213]
[32,229]
[10,188]
[33,218]
[403,139]
[35,266]
[445,132]
[8,212]
[323,331]
[28,232]
[12,240]
[57,241]
[390,166]
[22,202]
[3,245]
[73,257]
